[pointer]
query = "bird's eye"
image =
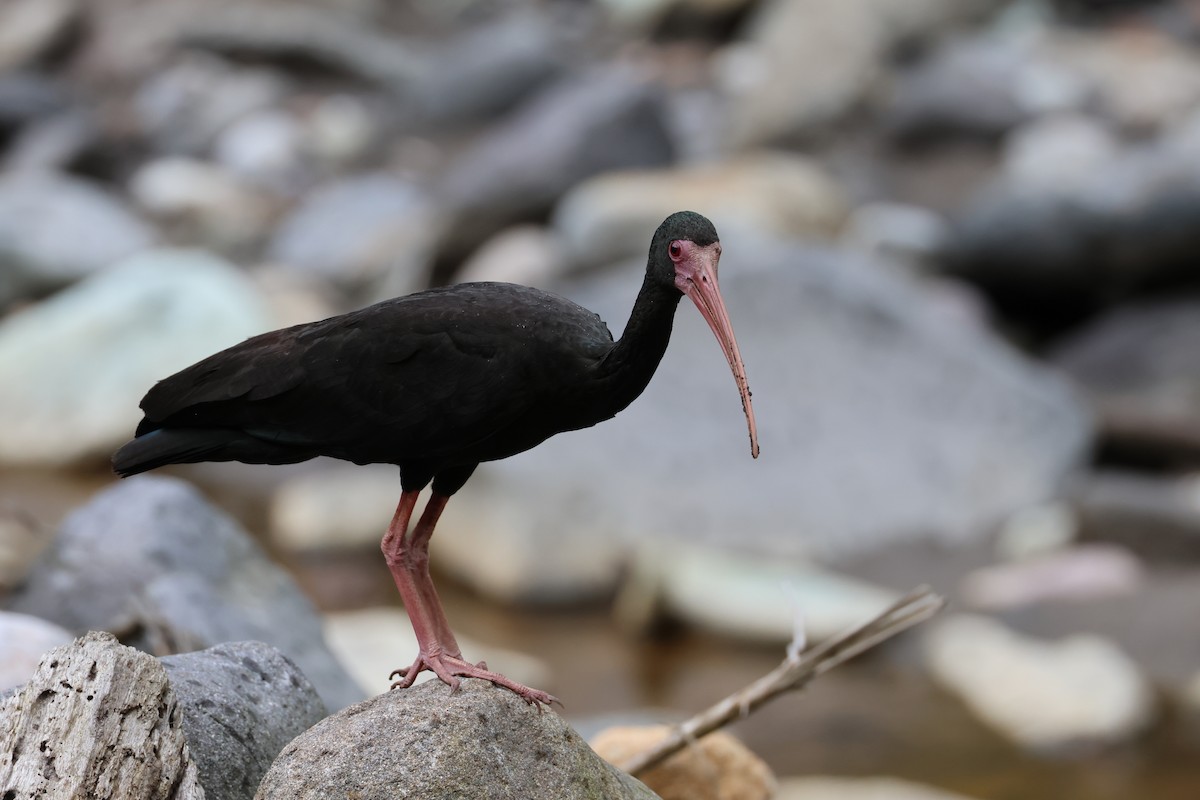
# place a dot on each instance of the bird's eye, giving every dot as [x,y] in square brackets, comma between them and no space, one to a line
[675,249]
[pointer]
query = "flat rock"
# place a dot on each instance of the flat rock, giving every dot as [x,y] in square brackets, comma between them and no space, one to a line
[717,767]
[372,642]
[883,418]
[24,639]
[427,742]
[115,333]
[56,229]
[335,507]
[151,557]
[744,596]
[98,720]
[578,127]
[612,216]
[1079,693]
[241,703]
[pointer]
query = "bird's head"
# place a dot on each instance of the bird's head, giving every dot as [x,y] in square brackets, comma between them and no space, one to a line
[684,254]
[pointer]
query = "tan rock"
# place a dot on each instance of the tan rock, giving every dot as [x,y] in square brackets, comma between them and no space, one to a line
[718,767]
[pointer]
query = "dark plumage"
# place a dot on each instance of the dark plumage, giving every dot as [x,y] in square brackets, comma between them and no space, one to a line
[435,382]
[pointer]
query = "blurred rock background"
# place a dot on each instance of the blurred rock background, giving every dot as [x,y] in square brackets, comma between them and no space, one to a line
[961,247]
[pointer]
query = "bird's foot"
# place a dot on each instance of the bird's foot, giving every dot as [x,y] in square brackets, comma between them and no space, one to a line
[450,668]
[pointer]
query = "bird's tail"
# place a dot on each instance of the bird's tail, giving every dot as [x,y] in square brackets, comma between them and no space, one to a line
[161,447]
[164,446]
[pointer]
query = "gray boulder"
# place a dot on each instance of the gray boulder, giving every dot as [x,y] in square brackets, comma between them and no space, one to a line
[152,558]
[354,231]
[578,127]
[55,230]
[487,70]
[480,742]
[241,704]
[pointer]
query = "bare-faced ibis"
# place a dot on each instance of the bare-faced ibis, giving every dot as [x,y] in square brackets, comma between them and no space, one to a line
[435,382]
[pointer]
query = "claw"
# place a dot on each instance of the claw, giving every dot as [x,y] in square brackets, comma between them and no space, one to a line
[449,669]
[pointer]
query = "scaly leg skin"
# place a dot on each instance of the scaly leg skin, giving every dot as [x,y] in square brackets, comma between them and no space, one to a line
[408,559]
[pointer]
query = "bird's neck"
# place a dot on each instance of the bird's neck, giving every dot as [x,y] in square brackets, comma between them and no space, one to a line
[631,363]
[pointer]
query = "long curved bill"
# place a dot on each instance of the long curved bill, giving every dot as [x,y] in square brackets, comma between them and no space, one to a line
[703,290]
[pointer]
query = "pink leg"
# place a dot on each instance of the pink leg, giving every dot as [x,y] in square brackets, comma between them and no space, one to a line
[408,559]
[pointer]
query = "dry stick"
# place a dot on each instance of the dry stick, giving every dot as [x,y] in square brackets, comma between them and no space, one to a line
[794,673]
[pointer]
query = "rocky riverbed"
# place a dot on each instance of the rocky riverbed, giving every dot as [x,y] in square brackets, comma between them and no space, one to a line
[960,248]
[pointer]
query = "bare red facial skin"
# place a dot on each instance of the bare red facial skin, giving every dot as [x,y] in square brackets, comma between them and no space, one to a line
[696,277]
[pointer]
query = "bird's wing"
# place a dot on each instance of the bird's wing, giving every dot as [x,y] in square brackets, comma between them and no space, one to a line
[416,375]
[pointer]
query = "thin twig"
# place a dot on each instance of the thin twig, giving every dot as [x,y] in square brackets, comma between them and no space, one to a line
[793,673]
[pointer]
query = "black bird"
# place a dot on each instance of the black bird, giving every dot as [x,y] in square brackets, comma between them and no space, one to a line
[435,382]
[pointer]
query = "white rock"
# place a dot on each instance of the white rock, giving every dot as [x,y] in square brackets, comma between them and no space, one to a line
[525,254]
[372,642]
[23,641]
[503,552]
[1081,691]
[1036,530]
[218,205]
[339,129]
[748,597]
[264,146]
[76,365]
[1057,152]
[822,787]
[517,552]
[339,507]
[612,216]
[185,105]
